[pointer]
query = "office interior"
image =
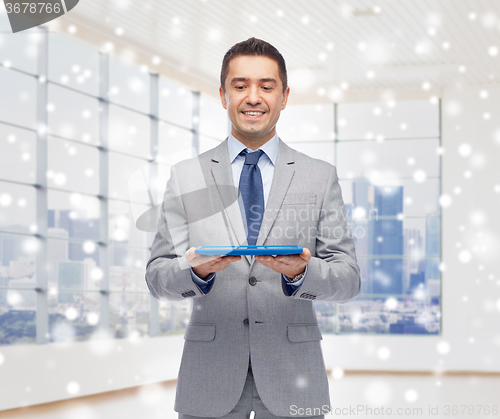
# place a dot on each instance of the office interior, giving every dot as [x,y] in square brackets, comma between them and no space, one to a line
[403,97]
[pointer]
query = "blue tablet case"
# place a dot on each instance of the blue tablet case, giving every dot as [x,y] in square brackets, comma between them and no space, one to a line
[248,250]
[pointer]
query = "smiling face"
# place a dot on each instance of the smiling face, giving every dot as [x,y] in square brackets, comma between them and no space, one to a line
[253,98]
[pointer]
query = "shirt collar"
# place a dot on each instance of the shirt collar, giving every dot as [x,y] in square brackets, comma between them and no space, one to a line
[270,148]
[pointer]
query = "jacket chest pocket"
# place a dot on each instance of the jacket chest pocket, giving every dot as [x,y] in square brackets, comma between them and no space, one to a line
[300,198]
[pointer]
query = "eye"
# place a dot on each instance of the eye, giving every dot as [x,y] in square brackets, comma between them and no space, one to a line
[267,88]
[239,87]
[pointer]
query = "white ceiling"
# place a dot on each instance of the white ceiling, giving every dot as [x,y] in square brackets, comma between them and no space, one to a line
[402,45]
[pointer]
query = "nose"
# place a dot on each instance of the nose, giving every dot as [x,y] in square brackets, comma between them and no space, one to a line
[253,97]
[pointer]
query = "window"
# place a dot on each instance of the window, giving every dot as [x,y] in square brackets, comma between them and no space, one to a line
[92,263]
[73,115]
[309,129]
[388,162]
[17,100]
[107,120]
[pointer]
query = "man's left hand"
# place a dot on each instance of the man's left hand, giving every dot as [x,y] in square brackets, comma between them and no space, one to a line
[289,265]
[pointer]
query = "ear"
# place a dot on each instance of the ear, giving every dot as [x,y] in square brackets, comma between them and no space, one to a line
[222,98]
[285,98]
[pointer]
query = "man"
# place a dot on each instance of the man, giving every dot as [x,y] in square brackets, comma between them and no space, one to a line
[253,342]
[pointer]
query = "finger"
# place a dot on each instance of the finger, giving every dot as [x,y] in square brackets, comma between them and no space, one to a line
[288,263]
[306,254]
[208,258]
[204,260]
[192,253]
[227,260]
[282,262]
[262,259]
[269,261]
[224,262]
[192,256]
[290,260]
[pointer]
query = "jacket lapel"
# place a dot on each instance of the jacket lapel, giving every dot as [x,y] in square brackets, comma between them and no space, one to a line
[223,177]
[283,174]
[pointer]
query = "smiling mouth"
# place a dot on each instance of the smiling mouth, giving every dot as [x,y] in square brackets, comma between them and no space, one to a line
[253,113]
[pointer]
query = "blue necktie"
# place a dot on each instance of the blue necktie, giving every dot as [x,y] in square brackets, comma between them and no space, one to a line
[252,192]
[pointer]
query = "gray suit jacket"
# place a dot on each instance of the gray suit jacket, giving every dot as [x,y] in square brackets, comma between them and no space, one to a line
[247,313]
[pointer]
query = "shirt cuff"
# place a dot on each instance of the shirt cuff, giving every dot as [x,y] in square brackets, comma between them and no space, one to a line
[291,287]
[203,284]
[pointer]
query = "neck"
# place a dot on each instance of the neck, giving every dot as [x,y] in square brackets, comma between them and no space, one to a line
[253,143]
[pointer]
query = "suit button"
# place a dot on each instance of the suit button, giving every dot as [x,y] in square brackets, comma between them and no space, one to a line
[245,322]
[252,280]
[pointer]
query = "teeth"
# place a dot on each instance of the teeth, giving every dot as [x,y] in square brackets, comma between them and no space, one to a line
[253,113]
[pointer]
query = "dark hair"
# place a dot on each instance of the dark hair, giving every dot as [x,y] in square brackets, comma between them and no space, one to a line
[253,46]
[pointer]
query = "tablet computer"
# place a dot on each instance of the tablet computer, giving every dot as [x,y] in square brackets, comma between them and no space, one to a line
[248,250]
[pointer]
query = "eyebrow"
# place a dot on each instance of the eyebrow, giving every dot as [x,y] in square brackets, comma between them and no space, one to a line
[263,80]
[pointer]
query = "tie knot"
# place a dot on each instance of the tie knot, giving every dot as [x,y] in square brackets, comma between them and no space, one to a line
[252,158]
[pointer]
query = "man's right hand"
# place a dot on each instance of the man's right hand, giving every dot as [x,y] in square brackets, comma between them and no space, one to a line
[203,265]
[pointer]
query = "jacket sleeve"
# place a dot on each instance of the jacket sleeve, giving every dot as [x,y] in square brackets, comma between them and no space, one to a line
[333,272]
[168,273]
